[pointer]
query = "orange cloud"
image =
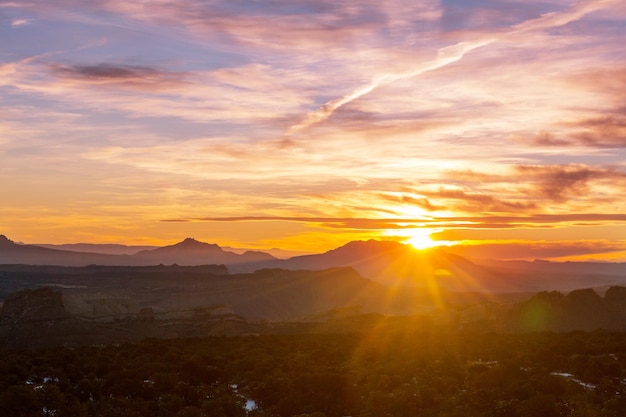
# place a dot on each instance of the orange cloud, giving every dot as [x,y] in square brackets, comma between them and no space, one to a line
[530,250]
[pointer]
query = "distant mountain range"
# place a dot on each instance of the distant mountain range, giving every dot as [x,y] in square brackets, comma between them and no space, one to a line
[103,248]
[389,263]
[187,252]
[393,263]
[117,249]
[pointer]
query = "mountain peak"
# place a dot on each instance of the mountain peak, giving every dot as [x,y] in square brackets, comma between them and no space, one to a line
[5,241]
[194,245]
[190,241]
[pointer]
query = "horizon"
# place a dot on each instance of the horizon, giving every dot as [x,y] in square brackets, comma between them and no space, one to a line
[494,129]
[280,253]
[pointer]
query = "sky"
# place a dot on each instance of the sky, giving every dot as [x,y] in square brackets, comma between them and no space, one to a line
[494,127]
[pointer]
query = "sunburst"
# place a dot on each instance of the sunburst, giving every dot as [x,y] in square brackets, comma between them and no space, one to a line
[420,239]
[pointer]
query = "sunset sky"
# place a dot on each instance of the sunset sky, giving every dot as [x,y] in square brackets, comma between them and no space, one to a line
[496,125]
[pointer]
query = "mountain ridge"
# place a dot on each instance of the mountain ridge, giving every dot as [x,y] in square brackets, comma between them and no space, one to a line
[386,262]
[187,252]
[102,248]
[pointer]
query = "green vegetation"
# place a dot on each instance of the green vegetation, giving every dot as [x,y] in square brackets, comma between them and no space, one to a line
[386,371]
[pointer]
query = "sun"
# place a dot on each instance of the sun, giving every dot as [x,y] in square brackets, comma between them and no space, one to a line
[420,239]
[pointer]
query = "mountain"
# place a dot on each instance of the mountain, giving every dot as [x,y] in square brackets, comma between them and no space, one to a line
[275,252]
[187,252]
[582,309]
[12,253]
[103,248]
[392,263]
[598,269]
[117,249]
[193,252]
[389,263]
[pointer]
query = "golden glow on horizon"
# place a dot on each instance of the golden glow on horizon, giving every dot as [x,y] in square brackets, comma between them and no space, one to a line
[420,239]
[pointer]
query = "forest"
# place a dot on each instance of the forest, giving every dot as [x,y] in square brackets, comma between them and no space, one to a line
[381,371]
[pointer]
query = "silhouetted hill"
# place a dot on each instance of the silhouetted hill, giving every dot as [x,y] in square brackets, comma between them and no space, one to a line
[12,253]
[582,309]
[392,263]
[549,267]
[543,275]
[188,252]
[101,248]
[193,252]
[5,242]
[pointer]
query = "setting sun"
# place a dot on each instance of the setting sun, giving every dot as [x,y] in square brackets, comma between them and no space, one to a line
[420,239]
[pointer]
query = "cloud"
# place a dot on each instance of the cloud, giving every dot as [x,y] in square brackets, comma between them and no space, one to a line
[604,131]
[134,76]
[473,201]
[287,25]
[451,54]
[461,222]
[600,119]
[108,71]
[459,15]
[524,187]
[244,95]
[16,23]
[558,183]
[538,219]
[555,19]
[445,56]
[545,138]
[416,201]
[10,71]
[531,250]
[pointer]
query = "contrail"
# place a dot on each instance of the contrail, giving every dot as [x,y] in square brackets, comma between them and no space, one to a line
[445,56]
[451,54]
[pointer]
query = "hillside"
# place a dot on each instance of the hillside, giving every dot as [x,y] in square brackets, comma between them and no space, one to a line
[97,292]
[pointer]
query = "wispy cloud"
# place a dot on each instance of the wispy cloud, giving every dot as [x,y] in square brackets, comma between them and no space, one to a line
[557,183]
[445,56]
[531,250]
[133,76]
[451,54]
[16,23]
[462,222]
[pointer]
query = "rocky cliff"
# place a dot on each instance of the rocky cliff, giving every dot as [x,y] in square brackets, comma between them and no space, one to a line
[40,304]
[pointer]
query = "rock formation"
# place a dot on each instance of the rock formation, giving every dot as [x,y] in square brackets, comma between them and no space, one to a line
[40,304]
